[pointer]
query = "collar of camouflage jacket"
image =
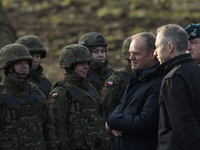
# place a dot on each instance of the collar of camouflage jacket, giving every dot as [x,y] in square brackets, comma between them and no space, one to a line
[21,86]
[98,67]
[35,74]
[78,81]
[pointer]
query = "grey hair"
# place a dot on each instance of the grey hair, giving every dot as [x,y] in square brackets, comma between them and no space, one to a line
[149,38]
[175,34]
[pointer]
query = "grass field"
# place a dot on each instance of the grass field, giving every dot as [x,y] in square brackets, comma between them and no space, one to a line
[61,22]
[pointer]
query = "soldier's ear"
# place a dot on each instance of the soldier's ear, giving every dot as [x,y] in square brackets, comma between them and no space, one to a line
[170,47]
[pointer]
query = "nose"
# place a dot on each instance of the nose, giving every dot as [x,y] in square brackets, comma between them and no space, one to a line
[86,66]
[189,46]
[34,59]
[25,64]
[100,54]
[132,57]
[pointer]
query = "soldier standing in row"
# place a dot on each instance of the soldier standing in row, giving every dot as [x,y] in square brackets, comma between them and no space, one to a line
[115,85]
[99,69]
[25,118]
[76,105]
[38,52]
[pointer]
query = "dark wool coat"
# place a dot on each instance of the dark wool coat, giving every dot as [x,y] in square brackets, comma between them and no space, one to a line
[179,124]
[137,114]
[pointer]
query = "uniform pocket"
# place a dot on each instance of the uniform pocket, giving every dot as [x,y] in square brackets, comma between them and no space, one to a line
[164,117]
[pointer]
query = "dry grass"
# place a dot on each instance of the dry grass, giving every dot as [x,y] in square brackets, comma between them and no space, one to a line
[61,22]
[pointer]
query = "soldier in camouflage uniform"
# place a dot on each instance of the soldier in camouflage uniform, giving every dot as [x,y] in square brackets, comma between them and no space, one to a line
[76,105]
[38,52]
[115,85]
[99,69]
[26,122]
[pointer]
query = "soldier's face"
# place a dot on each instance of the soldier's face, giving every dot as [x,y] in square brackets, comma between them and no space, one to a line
[194,49]
[82,69]
[36,60]
[20,67]
[139,57]
[99,54]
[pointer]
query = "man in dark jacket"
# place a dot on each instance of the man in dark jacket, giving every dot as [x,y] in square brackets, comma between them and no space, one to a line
[134,122]
[179,101]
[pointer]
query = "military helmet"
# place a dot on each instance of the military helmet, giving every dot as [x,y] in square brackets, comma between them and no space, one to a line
[12,53]
[91,39]
[73,54]
[33,43]
[125,48]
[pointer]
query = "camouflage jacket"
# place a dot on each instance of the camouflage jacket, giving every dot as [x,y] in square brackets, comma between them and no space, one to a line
[40,79]
[25,118]
[98,73]
[114,87]
[1,74]
[77,109]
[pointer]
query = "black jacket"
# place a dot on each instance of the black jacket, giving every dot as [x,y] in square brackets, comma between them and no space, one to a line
[179,124]
[137,114]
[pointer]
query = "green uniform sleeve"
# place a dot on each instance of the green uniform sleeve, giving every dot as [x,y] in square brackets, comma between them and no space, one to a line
[2,110]
[59,107]
[112,92]
[49,128]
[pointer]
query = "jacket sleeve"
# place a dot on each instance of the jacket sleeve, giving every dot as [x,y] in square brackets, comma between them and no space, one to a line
[144,122]
[178,106]
[112,93]
[3,110]
[59,107]
[49,128]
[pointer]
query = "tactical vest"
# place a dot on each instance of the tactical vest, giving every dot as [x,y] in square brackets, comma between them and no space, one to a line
[125,76]
[44,85]
[22,128]
[45,82]
[85,125]
[98,81]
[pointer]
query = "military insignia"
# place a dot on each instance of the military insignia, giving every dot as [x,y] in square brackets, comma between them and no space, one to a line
[193,33]
[110,83]
[54,95]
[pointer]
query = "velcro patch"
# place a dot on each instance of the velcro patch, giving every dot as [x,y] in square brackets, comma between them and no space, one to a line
[110,83]
[54,95]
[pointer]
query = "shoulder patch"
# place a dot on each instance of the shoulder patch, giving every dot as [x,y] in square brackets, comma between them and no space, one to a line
[54,95]
[109,83]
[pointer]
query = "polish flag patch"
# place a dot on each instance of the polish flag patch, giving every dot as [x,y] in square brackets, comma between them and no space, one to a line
[54,95]
[110,83]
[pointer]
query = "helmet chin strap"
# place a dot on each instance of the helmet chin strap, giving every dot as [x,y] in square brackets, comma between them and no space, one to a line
[20,75]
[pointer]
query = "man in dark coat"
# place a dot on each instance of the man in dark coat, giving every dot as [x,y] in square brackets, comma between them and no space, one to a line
[179,101]
[134,122]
